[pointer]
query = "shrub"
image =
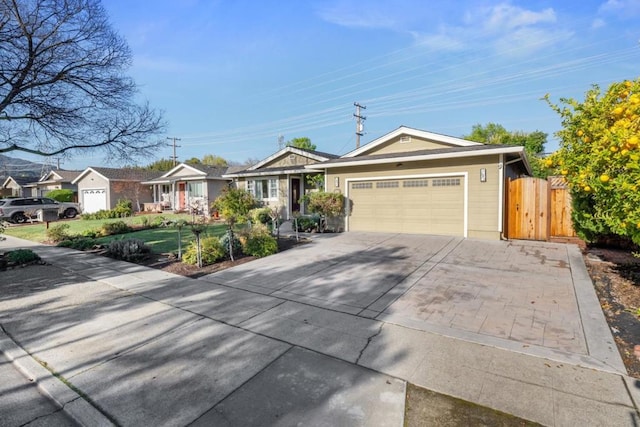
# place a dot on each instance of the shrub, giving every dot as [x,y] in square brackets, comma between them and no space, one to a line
[158,222]
[237,246]
[308,223]
[22,256]
[211,249]
[123,208]
[260,242]
[325,203]
[79,243]
[128,249]
[61,195]
[144,222]
[234,205]
[260,215]
[58,233]
[91,233]
[117,227]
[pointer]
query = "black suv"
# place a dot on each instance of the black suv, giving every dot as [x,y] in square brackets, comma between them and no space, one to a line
[20,210]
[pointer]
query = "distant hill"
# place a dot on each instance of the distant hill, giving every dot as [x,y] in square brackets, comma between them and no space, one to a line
[11,166]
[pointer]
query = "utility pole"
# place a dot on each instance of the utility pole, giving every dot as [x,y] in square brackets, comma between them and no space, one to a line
[359,123]
[174,139]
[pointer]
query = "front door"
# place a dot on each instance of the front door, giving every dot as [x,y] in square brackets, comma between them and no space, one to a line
[182,189]
[295,194]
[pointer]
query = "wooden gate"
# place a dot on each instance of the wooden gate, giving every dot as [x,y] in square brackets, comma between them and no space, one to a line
[538,209]
[560,208]
[528,209]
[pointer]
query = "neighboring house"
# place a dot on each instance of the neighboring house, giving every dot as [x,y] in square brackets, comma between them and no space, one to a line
[187,188]
[54,180]
[413,181]
[14,186]
[101,188]
[280,179]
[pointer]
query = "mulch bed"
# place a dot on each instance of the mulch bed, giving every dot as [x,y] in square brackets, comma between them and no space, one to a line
[172,265]
[616,276]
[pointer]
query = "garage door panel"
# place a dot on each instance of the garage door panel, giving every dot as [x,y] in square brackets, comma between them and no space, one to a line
[94,200]
[429,206]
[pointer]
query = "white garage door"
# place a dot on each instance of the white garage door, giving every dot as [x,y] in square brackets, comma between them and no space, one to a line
[416,205]
[94,200]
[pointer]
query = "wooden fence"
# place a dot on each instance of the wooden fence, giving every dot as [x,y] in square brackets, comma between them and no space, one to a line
[538,209]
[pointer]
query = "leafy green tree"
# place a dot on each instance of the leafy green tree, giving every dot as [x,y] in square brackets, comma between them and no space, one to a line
[533,142]
[162,165]
[303,142]
[599,155]
[194,161]
[213,160]
[62,195]
[234,205]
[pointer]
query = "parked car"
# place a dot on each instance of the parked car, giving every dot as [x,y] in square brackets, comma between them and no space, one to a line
[21,209]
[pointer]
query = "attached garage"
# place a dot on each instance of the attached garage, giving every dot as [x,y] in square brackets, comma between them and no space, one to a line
[93,200]
[414,181]
[424,205]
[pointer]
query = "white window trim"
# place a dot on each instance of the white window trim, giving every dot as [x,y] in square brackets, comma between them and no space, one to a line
[270,185]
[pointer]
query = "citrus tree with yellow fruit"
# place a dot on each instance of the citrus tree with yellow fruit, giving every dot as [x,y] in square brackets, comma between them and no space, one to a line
[599,156]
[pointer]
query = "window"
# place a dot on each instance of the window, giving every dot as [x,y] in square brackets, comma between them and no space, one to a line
[446,182]
[387,184]
[196,189]
[361,185]
[263,188]
[416,183]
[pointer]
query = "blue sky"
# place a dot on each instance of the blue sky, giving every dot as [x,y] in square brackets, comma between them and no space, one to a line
[231,76]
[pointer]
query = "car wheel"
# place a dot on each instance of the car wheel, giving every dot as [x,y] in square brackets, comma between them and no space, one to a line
[19,218]
[70,213]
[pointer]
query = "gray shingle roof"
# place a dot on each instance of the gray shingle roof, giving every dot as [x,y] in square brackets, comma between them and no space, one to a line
[126,174]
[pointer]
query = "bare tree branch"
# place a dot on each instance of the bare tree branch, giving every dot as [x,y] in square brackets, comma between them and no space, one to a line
[63,83]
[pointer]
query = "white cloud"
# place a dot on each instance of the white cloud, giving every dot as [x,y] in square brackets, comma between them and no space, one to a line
[598,23]
[621,8]
[355,15]
[506,17]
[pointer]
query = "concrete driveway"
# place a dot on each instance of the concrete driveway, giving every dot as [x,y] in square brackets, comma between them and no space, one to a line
[524,296]
[324,334]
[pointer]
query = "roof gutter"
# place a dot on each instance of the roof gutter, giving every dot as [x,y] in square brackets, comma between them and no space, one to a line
[385,160]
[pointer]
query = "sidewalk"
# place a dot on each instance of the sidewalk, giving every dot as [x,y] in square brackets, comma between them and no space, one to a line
[144,346]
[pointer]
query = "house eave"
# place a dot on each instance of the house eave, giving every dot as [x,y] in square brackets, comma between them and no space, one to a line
[266,173]
[409,158]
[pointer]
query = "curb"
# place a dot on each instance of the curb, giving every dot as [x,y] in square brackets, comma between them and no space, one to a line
[74,405]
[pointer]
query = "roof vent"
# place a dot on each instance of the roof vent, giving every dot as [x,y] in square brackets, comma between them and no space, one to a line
[405,139]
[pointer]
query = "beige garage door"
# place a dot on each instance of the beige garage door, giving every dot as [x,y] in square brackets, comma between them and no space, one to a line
[417,205]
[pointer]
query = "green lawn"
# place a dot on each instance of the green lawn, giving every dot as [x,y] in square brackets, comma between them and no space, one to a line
[165,240]
[161,240]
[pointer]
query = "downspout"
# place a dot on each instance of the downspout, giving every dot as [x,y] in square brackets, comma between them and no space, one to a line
[501,196]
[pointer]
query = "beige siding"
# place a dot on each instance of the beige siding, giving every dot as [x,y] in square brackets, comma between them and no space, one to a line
[483,198]
[415,144]
[288,159]
[92,181]
[214,189]
[184,171]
